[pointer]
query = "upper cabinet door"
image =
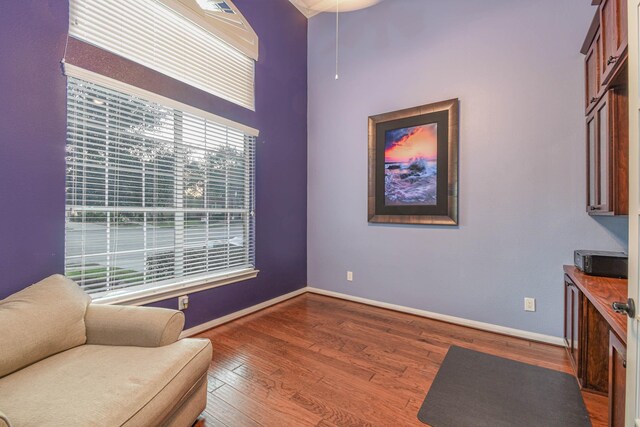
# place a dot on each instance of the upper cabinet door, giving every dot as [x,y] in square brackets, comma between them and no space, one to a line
[613,31]
[598,149]
[592,74]
[608,155]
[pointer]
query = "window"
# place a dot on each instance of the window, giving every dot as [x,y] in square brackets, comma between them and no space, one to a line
[158,194]
[204,43]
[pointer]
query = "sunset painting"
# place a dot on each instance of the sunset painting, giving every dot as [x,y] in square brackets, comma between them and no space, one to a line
[410,156]
[413,165]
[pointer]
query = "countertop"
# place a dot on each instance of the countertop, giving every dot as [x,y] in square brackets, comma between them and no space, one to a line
[602,292]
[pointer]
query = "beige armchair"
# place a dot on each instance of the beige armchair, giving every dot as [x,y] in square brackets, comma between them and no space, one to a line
[65,361]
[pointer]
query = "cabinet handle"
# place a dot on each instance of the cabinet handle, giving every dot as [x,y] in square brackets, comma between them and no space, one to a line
[593,100]
[592,208]
[629,308]
[612,60]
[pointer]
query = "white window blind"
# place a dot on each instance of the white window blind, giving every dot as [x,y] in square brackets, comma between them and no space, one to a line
[154,195]
[157,36]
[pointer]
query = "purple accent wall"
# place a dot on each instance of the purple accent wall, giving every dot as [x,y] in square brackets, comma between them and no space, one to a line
[32,140]
[32,135]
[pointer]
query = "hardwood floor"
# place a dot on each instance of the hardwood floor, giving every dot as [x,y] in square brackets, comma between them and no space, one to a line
[320,361]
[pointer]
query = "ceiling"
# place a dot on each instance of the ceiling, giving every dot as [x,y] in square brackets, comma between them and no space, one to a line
[313,7]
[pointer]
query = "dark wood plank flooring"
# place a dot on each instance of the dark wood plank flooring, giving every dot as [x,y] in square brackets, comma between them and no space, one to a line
[320,361]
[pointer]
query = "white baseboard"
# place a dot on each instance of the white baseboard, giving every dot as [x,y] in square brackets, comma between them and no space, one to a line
[445,318]
[235,315]
[422,313]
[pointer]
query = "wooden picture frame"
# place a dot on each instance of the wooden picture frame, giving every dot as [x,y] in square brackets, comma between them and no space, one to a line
[413,165]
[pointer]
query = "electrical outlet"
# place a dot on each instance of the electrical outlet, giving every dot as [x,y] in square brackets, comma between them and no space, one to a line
[183,302]
[350,276]
[529,304]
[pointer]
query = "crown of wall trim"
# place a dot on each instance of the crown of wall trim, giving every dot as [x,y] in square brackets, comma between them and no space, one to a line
[300,5]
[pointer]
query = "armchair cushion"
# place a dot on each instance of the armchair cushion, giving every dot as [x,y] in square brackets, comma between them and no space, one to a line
[41,320]
[132,326]
[105,385]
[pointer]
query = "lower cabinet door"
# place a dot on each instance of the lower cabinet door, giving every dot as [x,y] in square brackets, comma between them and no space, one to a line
[572,312]
[617,379]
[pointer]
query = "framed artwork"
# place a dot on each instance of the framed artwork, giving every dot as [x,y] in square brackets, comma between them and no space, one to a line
[413,165]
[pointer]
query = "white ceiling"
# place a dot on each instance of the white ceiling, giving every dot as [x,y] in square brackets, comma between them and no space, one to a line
[313,7]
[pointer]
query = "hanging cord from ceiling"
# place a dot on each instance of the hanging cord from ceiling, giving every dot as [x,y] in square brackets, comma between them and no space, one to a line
[337,34]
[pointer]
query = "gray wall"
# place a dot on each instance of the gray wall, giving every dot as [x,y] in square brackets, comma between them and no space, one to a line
[516,67]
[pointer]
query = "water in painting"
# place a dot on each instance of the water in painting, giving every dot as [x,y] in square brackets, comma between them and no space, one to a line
[410,158]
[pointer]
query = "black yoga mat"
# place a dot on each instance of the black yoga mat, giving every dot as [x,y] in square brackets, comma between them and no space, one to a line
[478,389]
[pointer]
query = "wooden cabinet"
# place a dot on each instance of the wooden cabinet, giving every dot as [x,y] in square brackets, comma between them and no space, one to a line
[617,380]
[572,301]
[608,154]
[613,31]
[586,336]
[592,73]
[606,106]
[597,158]
[592,331]
[594,344]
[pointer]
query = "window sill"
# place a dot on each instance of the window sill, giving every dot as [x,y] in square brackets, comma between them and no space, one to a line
[146,296]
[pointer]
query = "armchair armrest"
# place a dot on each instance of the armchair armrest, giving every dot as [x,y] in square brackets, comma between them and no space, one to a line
[4,421]
[132,326]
